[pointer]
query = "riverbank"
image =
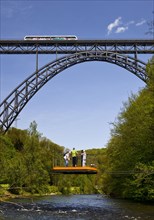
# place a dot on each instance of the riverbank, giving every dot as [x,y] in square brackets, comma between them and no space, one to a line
[5,193]
[9,196]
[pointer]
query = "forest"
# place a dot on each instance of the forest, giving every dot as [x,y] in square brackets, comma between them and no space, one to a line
[125,165]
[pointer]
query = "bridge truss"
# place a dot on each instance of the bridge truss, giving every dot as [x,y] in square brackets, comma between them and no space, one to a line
[118,52]
[68,47]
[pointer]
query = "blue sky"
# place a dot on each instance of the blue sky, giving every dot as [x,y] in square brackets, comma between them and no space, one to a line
[75,108]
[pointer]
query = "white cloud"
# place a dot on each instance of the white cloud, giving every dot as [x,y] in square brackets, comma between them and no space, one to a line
[116,23]
[121,29]
[130,22]
[141,22]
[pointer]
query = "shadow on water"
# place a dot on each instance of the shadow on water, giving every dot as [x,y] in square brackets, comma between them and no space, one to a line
[79,207]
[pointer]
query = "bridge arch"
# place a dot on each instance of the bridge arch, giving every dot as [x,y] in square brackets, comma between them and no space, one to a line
[19,97]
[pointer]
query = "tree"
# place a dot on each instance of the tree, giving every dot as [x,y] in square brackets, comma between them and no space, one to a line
[7,152]
[33,130]
[131,147]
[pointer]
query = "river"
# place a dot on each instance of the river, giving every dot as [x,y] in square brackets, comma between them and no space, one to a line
[74,207]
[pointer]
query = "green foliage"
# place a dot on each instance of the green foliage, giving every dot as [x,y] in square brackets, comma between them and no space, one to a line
[25,160]
[53,189]
[141,187]
[6,156]
[131,148]
[17,138]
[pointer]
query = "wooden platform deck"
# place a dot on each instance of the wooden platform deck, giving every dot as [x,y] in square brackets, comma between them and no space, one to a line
[75,170]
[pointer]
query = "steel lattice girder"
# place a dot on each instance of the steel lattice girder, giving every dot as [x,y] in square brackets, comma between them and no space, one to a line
[69,47]
[15,102]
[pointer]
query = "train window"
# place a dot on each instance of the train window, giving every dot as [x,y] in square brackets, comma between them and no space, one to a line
[52,37]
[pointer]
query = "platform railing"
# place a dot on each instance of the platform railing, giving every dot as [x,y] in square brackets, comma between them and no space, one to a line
[58,160]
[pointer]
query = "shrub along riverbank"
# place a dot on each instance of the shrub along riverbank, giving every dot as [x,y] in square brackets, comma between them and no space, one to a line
[5,193]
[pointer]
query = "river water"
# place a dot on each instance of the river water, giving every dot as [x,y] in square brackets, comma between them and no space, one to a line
[78,207]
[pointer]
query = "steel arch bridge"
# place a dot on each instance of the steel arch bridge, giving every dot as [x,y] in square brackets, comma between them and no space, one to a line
[19,97]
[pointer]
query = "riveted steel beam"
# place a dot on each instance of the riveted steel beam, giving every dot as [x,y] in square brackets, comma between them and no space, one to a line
[74,46]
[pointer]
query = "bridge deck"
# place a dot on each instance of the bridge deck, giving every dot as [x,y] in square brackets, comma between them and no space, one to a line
[75,170]
[126,46]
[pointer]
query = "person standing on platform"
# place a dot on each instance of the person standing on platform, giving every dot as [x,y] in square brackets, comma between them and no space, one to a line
[66,158]
[81,158]
[84,157]
[74,157]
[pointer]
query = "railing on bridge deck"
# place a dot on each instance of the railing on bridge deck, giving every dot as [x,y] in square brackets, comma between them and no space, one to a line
[58,160]
[59,165]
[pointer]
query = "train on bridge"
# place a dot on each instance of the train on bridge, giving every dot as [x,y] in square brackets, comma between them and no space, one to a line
[50,37]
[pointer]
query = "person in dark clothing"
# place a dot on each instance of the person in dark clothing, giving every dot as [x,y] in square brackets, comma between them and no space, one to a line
[81,158]
[74,157]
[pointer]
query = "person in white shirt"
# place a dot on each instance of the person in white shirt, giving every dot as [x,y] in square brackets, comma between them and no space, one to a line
[83,157]
[66,158]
